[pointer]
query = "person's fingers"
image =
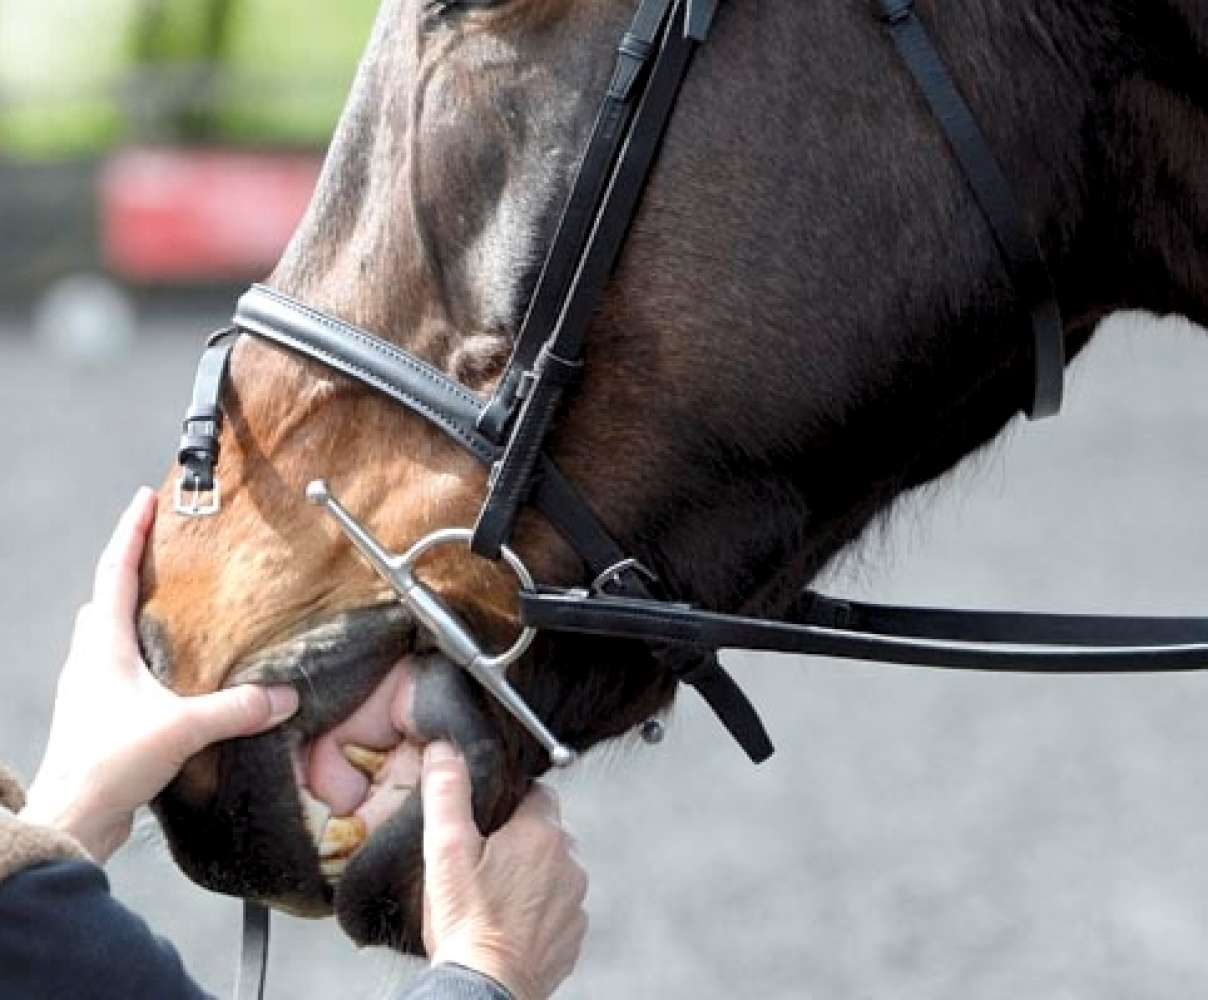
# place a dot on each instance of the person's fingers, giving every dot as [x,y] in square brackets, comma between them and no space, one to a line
[540,803]
[428,931]
[115,588]
[238,711]
[87,636]
[578,884]
[84,626]
[452,841]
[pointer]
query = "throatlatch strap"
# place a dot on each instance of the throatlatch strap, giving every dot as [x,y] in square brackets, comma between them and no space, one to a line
[1018,246]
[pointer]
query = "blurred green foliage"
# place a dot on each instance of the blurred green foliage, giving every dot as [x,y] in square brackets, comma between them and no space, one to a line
[80,76]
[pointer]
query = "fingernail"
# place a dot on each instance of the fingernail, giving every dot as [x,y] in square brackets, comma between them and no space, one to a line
[439,751]
[283,702]
[141,496]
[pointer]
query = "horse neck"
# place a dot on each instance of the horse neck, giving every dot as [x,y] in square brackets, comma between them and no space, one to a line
[1149,184]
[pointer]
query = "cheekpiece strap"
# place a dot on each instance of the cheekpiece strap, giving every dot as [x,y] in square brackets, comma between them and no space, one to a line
[563,330]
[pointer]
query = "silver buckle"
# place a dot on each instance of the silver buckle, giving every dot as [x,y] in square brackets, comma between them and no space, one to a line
[612,576]
[448,630]
[190,501]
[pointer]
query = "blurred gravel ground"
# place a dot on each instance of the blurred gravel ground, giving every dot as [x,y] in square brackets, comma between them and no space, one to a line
[920,835]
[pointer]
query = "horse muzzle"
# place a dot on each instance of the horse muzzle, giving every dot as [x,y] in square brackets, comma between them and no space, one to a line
[323,814]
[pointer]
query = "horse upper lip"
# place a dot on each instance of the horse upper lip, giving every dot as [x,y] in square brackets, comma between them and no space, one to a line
[334,664]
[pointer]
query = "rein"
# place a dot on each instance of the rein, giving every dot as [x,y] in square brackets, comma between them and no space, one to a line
[507,433]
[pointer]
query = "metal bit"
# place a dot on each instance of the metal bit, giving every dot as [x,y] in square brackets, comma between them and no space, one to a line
[448,630]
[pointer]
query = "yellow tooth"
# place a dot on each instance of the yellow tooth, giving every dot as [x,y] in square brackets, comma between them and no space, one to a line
[333,868]
[342,836]
[365,760]
[315,814]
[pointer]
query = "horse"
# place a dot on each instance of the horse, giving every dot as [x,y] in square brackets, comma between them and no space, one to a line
[810,319]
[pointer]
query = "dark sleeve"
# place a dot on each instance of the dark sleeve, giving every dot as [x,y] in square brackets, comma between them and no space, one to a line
[63,936]
[454,982]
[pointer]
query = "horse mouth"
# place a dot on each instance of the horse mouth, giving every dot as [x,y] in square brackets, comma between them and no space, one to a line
[353,746]
[322,814]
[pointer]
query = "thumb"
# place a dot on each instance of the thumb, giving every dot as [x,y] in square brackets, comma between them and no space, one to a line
[452,843]
[239,711]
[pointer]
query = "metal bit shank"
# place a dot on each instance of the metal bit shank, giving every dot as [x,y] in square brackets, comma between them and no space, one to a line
[447,629]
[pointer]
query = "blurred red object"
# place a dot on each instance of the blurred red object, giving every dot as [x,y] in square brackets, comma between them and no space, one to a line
[169,216]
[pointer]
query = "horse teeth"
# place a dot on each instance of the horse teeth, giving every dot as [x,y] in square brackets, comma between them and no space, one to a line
[315,815]
[342,836]
[368,762]
[333,868]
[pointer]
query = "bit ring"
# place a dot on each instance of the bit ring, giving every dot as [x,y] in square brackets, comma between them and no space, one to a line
[462,536]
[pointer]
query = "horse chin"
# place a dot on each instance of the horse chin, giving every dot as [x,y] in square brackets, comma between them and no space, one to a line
[323,814]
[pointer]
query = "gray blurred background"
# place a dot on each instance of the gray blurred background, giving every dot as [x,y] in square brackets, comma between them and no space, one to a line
[919,835]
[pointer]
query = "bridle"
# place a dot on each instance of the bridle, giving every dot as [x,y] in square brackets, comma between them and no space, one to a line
[621,598]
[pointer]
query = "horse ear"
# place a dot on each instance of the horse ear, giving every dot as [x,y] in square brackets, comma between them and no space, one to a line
[699,19]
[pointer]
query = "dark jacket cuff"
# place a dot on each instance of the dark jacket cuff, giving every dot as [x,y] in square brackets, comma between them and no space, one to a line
[12,794]
[23,845]
[448,981]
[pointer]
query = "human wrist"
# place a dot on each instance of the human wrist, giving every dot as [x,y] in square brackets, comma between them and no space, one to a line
[99,832]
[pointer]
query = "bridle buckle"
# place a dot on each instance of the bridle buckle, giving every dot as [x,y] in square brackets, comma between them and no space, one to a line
[190,499]
[614,576]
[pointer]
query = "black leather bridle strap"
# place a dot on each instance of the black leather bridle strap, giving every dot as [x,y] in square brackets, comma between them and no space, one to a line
[565,508]
[1076,649]
[578,217]
[377,363]
[558,362]
[1020,251]
[1002,627]
[197,453]
[253,952]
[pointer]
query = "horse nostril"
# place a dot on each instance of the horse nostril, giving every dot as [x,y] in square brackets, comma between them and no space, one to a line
[154,646]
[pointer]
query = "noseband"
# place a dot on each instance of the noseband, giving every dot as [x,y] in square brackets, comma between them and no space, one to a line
[507,432]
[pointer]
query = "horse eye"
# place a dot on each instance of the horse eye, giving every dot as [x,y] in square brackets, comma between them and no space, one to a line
[439,8]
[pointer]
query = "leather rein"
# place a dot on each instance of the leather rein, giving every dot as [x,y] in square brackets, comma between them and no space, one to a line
[620,597]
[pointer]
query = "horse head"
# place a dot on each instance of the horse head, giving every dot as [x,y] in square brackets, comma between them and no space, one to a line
[810,318]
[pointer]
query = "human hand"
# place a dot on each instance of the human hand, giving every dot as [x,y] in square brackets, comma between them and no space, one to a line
[509,906]
[119,736]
